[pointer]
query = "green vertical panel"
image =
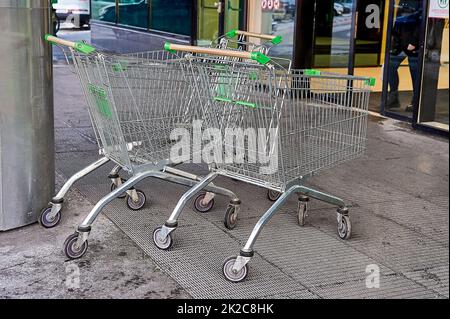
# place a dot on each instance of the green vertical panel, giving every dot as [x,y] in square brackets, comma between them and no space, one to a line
[233,10]
[208,21]
[101,100]
[232,14]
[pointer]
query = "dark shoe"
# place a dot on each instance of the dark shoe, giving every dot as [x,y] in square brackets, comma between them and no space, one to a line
[409,108]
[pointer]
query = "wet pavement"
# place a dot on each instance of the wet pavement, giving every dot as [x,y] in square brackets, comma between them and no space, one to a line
[398,193]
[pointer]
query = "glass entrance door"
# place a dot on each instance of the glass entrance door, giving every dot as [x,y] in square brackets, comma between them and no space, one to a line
[401,85]
[333,35]
[215,17]
[433,108]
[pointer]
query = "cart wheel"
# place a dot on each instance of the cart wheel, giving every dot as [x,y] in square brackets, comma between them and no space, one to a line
[302,213]
[199,205]
[139,203]
[345,228]
[113,187]
[228,272]
[230,218]
[49,222]
[163,244]
[71,251]
[273,195]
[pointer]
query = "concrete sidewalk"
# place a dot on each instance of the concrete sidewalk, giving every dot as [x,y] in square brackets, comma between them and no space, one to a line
[398,192]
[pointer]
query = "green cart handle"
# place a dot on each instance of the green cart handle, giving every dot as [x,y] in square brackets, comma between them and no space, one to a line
[275,39]
[79,46]
[256,56]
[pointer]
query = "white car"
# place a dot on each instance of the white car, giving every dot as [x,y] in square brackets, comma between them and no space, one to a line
[78,11]
[338,9]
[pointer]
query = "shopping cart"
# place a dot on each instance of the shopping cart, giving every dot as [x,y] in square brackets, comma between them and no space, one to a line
[136,101]
[50,216]
[307,121]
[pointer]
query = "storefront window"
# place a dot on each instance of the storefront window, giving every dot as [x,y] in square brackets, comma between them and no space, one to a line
[434,108]
[162,15]
[369,31]
[172,16]
[279,19]
[133,13]
[333,23]
[103,10]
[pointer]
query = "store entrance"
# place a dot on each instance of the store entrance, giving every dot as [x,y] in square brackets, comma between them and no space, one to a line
[215,17]
[350,38]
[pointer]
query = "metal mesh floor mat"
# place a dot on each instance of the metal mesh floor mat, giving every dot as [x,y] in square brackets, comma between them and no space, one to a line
[290,262]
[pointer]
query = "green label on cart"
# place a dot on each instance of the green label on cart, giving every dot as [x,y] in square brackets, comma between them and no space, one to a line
[231,34]
[277,40]
[101,100]
[119,66]
[253,76]
[371,81]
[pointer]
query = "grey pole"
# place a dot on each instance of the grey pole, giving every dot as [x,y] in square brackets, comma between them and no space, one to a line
[27,163]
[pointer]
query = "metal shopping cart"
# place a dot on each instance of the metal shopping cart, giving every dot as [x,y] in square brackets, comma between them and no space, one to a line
[50,216]
[136,101]
[306,121]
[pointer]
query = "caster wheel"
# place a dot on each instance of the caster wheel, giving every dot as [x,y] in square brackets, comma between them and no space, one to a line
[230,219]
[273,195]
[113,187]
[345,228]
[139,203]
[200,207]
[163,244]
[46,221]
[71,251]
[228,272]
[302,213]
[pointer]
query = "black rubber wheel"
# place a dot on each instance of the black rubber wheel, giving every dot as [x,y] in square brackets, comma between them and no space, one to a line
[113,187]
[165,244]
[273,195]
[230,218]
[345,228]
[70,250]
[46,221]
[139,203]
[198,205]
[227,270]
[302,213]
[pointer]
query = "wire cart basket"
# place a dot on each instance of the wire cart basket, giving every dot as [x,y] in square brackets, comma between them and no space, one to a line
[50,216]
[297,123]
[135,102]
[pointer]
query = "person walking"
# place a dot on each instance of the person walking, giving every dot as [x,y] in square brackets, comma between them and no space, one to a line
[405,45]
